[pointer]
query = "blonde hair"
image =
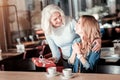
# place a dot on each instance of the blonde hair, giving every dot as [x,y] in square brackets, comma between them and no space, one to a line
[92,30]
[46,14]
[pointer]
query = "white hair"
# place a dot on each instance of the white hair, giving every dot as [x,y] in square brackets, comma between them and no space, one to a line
[46,14]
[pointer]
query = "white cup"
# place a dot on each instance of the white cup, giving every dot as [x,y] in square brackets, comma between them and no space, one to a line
[67,72]
[51,71]
[20,48]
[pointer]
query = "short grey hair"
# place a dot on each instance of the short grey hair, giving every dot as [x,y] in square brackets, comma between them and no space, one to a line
[46,14]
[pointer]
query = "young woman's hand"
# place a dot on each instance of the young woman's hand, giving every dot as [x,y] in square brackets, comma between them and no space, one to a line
[76,48]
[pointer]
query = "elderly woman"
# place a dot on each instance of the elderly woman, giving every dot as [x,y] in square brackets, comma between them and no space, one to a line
[82,56]
[60,34]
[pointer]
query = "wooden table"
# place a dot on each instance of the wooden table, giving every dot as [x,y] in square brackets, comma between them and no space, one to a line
[29,43]
[108,53]
[13,52]
[9,54]
[42,76]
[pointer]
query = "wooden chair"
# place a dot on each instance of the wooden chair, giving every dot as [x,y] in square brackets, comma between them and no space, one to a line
[18,65]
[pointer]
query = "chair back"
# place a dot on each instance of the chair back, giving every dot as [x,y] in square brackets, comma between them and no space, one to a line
[18,65]
[108,69]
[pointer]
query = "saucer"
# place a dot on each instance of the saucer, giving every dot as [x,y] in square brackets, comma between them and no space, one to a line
[68,77]
[56,74]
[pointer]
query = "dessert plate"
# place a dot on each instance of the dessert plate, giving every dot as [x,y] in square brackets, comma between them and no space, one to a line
[63,77]
[56,74]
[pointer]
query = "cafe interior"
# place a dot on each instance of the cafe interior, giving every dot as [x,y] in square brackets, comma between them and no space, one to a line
[23,45]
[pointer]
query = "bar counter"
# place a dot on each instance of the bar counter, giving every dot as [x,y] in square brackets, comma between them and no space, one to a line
[8,75]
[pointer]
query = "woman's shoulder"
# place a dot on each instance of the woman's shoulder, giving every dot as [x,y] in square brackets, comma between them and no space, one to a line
[76,40]
[69,21]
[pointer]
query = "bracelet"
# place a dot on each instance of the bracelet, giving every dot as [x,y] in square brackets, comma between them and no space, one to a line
[79,56]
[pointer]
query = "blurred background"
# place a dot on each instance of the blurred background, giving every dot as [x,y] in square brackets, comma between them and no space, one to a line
[21,18]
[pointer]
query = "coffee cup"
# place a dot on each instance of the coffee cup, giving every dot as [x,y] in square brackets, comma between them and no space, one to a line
[51,71]
[67,72]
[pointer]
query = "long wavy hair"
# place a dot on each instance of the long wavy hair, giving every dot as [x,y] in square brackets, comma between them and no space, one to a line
[46,15]
[91,29]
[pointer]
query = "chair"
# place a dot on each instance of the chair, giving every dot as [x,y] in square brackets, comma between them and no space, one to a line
[25,65]
[18,65]
[108,69]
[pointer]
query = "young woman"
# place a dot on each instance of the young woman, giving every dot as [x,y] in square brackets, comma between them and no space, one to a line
[82,57]
[59,32]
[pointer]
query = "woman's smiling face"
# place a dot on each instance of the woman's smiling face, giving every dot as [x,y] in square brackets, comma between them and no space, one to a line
[56,20]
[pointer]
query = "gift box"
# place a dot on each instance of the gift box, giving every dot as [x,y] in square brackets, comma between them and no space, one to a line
[42,62]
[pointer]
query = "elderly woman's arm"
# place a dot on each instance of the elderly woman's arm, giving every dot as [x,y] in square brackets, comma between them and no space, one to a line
[54,49]
[97,45]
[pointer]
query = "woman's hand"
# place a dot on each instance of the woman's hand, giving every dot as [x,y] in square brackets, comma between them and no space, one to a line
[96,45]
[76,48]
[53,59]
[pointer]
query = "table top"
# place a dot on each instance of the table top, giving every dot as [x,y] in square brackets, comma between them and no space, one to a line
[108,53]
[8,54]
[14,50]
[29,43]
[4,75]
